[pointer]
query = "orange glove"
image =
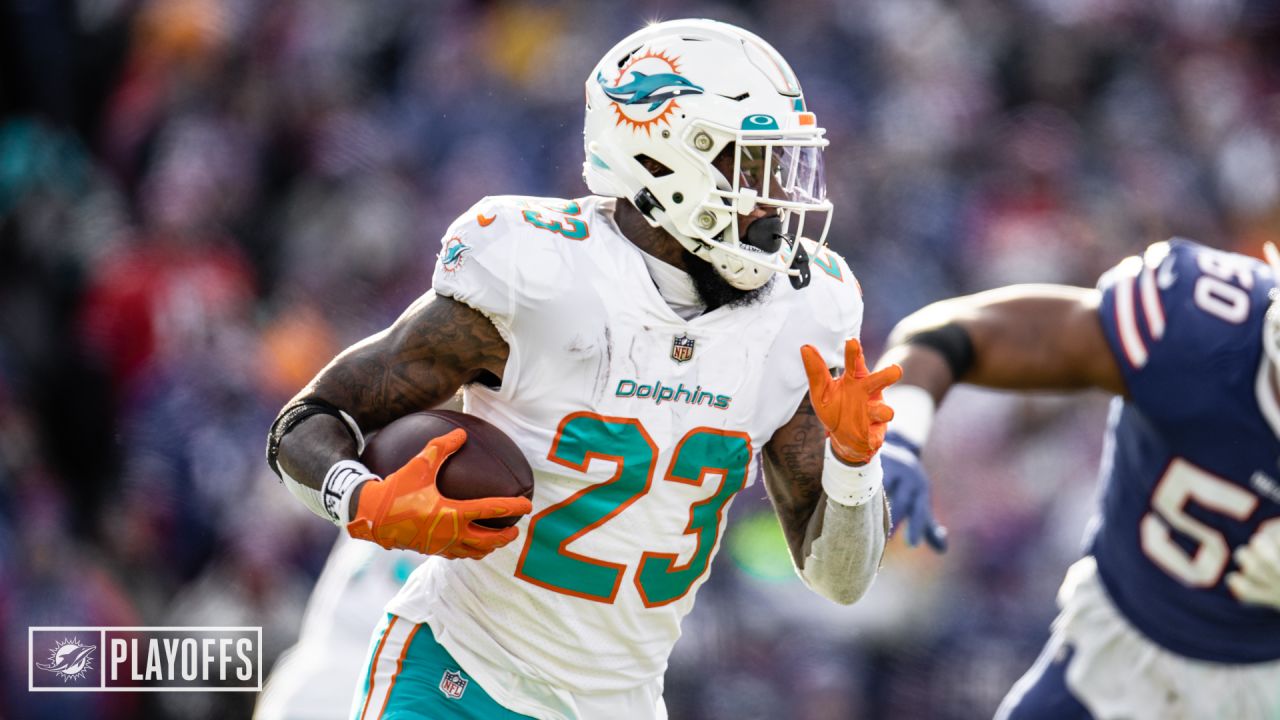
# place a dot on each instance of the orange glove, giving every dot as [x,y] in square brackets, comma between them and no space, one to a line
[406,511]
[850,406]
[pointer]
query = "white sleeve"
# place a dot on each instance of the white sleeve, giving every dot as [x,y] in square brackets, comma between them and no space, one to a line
[842,561]
[843,548]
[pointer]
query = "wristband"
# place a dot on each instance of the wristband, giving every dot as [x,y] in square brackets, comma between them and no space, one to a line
[913,409]
[851,485]
[299,410]
[339,485]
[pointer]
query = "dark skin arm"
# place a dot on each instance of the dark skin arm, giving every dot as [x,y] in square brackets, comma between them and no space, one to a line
[793,460]
[435,347]
[1025,337]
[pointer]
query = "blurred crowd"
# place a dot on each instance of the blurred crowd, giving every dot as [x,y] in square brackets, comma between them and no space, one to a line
[201,201]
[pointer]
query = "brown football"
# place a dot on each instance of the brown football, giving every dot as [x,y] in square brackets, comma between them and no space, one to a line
[488,465]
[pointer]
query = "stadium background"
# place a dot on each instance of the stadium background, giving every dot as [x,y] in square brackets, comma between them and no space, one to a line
[203,200]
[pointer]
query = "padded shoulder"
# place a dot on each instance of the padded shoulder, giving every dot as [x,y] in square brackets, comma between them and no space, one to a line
[832,301]
[509,251]
[1182,310]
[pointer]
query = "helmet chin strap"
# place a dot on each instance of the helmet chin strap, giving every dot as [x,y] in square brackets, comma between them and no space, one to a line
[707,252]
[800,263]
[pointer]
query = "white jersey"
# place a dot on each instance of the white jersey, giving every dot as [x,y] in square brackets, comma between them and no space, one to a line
[640,428]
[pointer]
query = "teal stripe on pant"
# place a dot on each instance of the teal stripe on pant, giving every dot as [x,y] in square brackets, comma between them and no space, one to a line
[428,683]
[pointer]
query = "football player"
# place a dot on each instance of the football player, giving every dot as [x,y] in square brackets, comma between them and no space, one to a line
[1174,611]
[653,348]
[314,679]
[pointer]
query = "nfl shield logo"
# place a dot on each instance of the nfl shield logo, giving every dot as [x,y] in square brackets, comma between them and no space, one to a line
[682,348]
[453,684]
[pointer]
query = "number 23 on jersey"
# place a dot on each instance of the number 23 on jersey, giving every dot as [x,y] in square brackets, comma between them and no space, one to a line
[548,562]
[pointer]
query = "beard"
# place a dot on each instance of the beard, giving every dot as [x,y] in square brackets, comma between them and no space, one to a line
[714,291]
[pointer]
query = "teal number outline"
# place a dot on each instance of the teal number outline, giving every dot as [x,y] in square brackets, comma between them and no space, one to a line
[657,569]
[579,230]
[534,560]
[548,564]
[828,265]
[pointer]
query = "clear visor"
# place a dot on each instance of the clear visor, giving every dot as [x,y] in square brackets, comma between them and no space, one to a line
[782,173]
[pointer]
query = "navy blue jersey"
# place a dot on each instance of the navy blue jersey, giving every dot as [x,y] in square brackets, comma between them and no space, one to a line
[1190,467]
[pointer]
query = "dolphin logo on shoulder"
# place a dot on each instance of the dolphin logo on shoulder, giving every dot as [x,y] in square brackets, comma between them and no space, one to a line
[652,89]
[453,254]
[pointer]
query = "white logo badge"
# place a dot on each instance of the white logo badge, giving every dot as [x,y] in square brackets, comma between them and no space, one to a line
[69,659]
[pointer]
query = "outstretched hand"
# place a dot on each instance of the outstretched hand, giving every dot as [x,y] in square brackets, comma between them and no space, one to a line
[406,510]
[907,488]
[850,406]
[1258,580]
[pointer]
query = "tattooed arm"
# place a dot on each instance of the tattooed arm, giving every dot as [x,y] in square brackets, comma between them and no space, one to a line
[836,548]
[434,348]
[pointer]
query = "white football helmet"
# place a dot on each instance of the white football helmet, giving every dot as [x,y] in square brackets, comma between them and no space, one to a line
[663,105]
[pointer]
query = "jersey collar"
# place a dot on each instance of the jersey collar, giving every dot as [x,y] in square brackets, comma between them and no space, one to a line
[675,286]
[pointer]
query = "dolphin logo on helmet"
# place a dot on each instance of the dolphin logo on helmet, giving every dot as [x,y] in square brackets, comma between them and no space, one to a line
[653,89]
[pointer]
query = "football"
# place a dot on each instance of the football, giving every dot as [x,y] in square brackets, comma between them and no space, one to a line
[488,465]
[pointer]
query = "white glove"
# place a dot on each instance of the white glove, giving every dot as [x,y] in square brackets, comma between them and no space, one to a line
[1258,580]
